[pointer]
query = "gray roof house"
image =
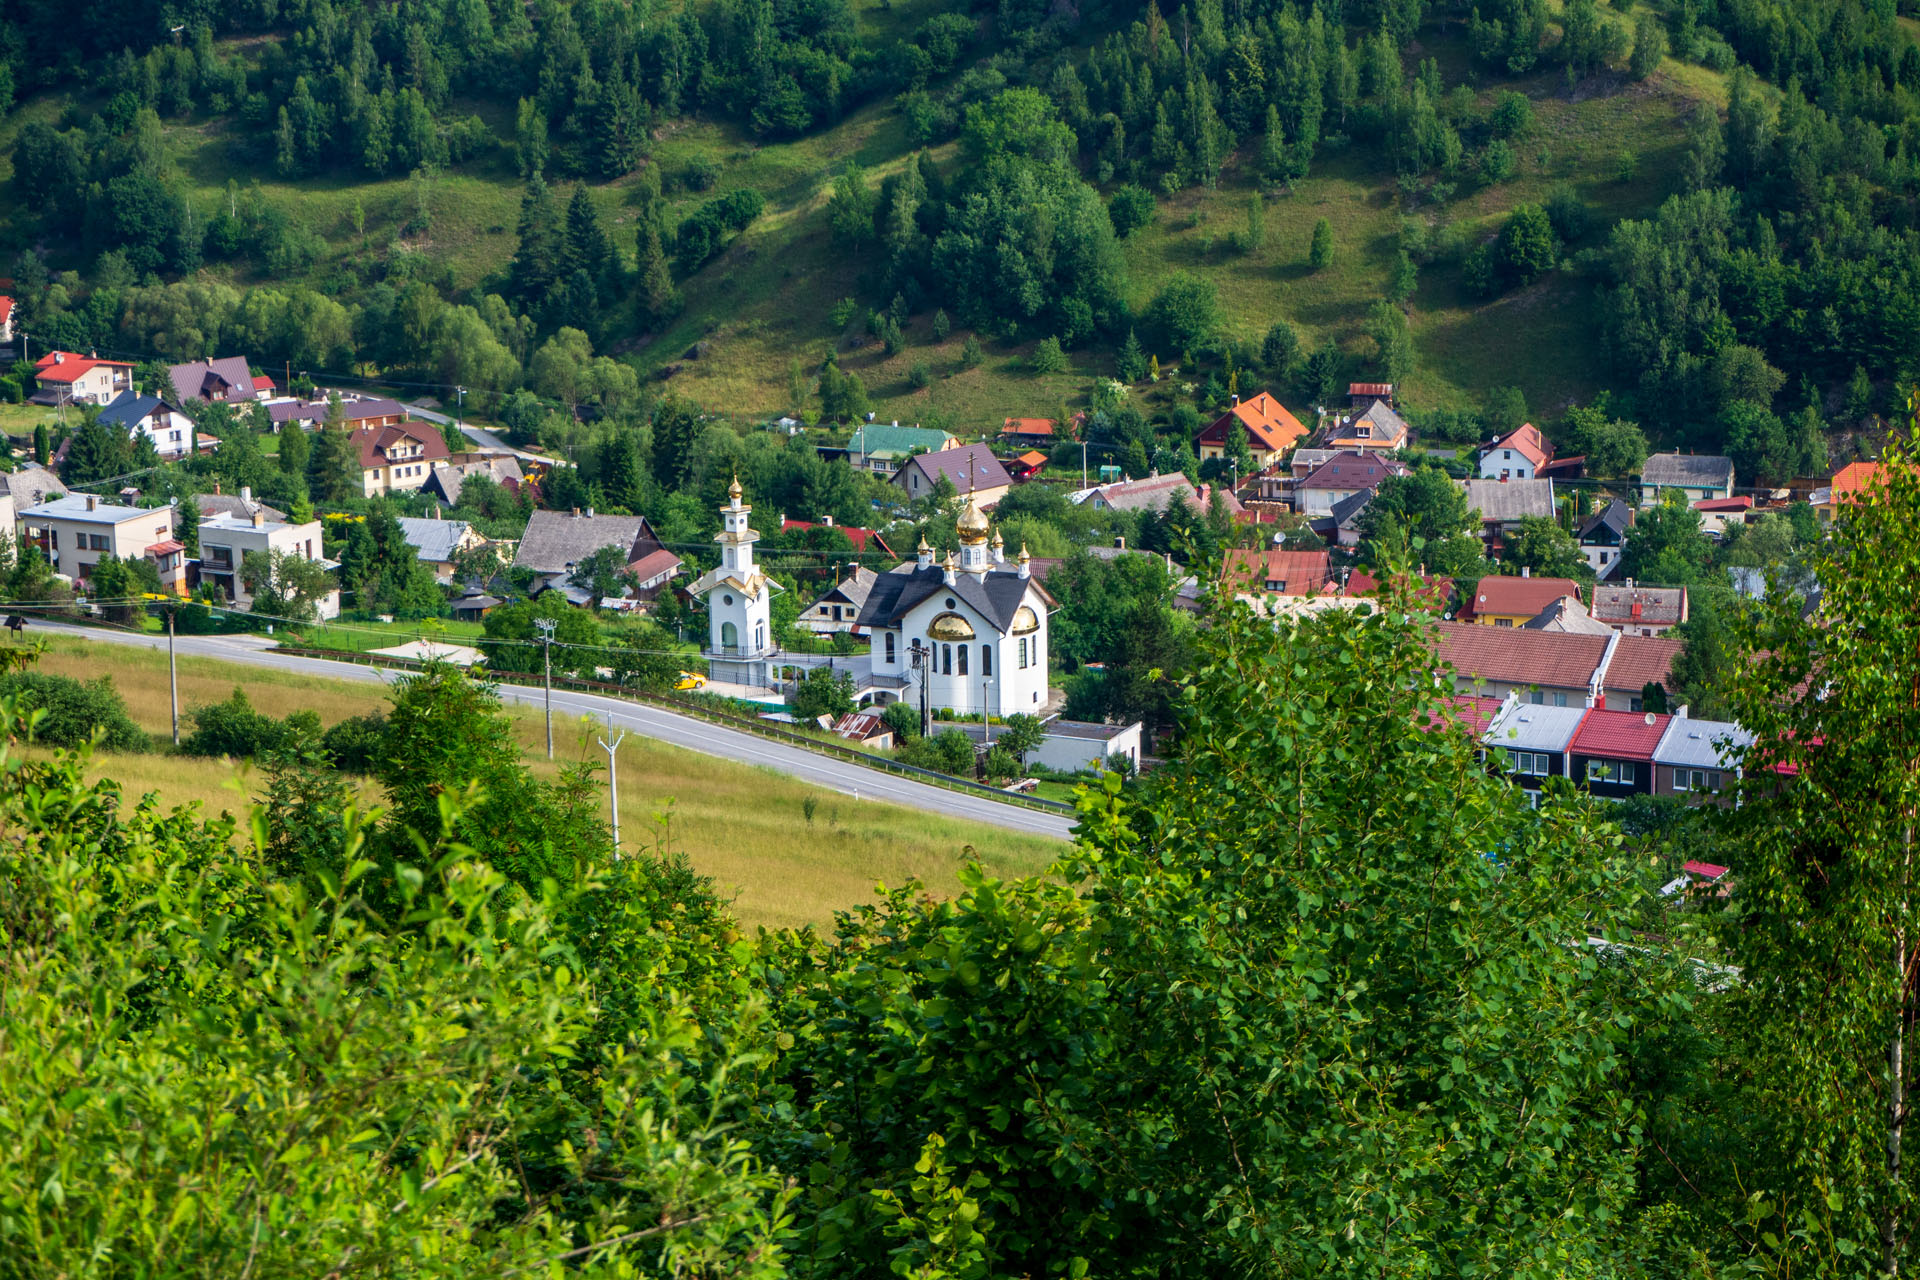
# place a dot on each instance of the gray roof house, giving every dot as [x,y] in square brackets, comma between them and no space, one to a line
[450,476]
[1693,754]
[1695,475]
[1503,503]
[555,541]
[28,487]
[239,505]
[839,606]
[437,542]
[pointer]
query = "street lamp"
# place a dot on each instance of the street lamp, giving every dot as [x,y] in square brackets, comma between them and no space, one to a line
[986,709]
[545,626]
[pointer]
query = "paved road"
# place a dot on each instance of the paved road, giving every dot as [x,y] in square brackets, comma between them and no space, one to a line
[482,437]
[646,721]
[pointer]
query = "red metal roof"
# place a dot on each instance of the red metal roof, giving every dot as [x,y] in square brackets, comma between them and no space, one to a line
[1028,427]
[6,308]
[1706,870]
[1724,504]
[165,548]
[65,366]
[860,538]
[1619,735]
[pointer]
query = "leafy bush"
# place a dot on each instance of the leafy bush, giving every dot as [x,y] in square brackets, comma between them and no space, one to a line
[233,728]
[75,711]
[354,744]
[903,719]
[1048,357]
[706,231]
[949,751]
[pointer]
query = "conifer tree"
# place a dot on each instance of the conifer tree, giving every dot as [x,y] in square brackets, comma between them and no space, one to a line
[658,300]
[588,247]
[333,469]
[536,268]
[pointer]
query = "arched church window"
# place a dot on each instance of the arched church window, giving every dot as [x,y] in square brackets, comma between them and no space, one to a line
[729,636]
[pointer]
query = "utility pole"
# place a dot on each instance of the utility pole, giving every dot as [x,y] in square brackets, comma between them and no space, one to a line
[459,406]
[921,656]
[545,627]
[986,709]
[613,779]
[173,678]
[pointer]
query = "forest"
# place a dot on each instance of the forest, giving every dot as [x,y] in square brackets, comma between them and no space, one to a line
[1774,278]
[1270,1014]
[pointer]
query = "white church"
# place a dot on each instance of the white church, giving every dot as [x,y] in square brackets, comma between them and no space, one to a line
[739,600]
[978,626]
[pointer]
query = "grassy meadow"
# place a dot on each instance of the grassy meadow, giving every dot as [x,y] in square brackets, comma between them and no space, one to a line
[748,828]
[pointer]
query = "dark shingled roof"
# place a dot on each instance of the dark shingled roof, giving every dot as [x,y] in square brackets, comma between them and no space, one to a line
[129,407]
[1692,470]
[1616,515]
[996,596]
[971,466]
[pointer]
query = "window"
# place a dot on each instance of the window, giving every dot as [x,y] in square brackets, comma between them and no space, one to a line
[1537,698]
[729,636]
[1634,703]
[986,659]
[1559,699]
[1023,653]
[1696,780]
[963,659]
[100,542]
[889,648]
[1614,771]
[1503,622]
[946,659]
[1536,764]
[221,557]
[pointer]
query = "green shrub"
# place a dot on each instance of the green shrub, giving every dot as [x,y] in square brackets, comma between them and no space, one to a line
[1048,357]
[354,744]
[233,728]
[74,711]
[903,719]
[1130,209]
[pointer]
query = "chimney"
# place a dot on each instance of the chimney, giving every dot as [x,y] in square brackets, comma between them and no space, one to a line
[1121,542]
[259,518]
[1236,399]
[92,502]
[246,493]
[216,488]
[1526,571]
[589,513]
[576,513]
[827,521]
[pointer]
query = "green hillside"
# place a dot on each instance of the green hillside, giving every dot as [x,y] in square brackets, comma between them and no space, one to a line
[765,300]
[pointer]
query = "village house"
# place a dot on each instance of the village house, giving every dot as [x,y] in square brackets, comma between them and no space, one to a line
[356,413]
[971,469]
[1555,668]
[554,542]
[240,504]
[1274,571]
[1154,493]
[1698,758]
[1692,475]
[970,634]
[397,458]
[1531,743]
[1343,476]
[1377,428]
[66,378]
[1270,428]
[1340,527]
[1612,752]
[149,416]
[1026,433]
[1635,610]
[1519,455]
[438,543]
[883,448]
[227,537]
[23,487]
[6,321]
[1513,602]
[228,380]
[77,529]
[1026,466]
[449,478]
[1851,483]
[1603,536]
[1568,615]
[1361,395]
[1502,504]
[1717,513]
[838,609]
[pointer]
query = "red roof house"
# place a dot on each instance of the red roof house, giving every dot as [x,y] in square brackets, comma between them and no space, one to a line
[862,539]
[1509,602]
[1271,430]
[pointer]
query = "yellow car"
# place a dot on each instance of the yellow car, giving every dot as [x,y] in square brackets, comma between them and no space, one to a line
[688,680]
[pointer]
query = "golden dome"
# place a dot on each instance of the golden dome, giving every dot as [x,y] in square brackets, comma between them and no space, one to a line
[1024,557]
[923,543]
[973,524]
[733,490]
[950,626]
[998,541]
[1025,621]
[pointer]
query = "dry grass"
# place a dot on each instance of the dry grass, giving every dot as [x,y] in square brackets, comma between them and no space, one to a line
[746,827]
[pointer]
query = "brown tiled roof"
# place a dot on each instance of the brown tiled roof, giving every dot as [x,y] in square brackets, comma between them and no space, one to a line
[1641,661]
[1353,471]
[1528,443]
[1519,597]
[1287,573]
[374,441]
[1513,656]
[1619,735]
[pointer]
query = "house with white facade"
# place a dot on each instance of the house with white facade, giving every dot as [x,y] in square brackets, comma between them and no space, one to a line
[968,634]
[77,529]
[227,536]
[66,378]
[154,418]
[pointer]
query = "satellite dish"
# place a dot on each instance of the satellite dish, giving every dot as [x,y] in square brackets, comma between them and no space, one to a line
[1649,717]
